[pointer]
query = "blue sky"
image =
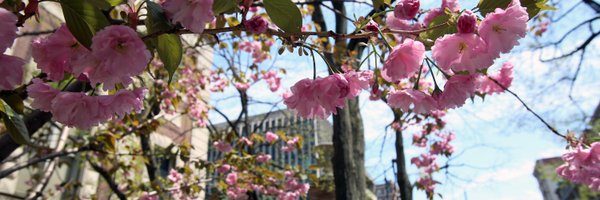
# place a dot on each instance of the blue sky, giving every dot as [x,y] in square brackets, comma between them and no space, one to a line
[497,139]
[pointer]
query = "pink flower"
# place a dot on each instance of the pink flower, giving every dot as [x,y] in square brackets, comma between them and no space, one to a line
[409,99]
[273,80]
[581,166]
[222,146]
[242,86]
[122,103]
[404,61]
[11,72]
[452,5]
[358,81]
[456,91]
[425,162]
[127,52]
[257,24]
[426,183]
[246,141]
[504,77]
[76,109]
[191,14]
[271,137]
[55,53]
[502,29]
[224,168]
[332,92]
[372,26]
[461,52]
[400,24]
[175,176]
[231,178]
[42,95]
[263,158]
[8,32]
[467,22]
[407,9]
[302,99]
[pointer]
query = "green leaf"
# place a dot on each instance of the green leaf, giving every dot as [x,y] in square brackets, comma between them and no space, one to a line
[83,19]
[224,6]
[170,51]
[15,102]
[156,20]
[100,4]
[488,6]
[116,2]
[14,124]
[434,34]
[285,14]
[377,4]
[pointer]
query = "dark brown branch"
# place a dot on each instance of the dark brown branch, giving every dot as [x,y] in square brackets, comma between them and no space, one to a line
[15,168]
[106,176]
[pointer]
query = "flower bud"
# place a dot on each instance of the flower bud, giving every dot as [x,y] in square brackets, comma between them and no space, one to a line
[256,24]
[407,9]
[372,26]
[467,22]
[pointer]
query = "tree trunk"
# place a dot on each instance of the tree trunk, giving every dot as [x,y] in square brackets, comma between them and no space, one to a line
[402,176]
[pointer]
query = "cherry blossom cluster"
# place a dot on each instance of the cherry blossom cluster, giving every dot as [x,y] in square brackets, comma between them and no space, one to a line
[11,67]
[255,48]
[191,14]
[582,165]
[60,53]
[240,182]
[322,96]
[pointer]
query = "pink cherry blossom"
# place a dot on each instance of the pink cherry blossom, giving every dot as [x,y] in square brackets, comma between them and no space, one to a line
[407,9]
[222,146]
[372,26]
[414,100]
[425,162]
[120,44]
[263,158]
[42,95]
[467,22]
[457,90]
[255,48]
[358,81]
[452,5]
[242,86]
[461,52]
[581,166]
[271,137]
[404,61]
[505,76]
[426,183]
[332,92]
[191,14]
[11,72]
[55,53]
[502,29]
[76,109]
[257,24]
[223,168]
[273,80]
[246,141]
[399,24]
[122,103]
[231,178]
[175,176]
[8,32]
[302,99]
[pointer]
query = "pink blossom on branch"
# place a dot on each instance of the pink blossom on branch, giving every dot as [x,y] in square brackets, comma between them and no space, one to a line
[191,14]
[407,9]
[505,77]
[461,52]
[11,72]
[451,5]
[457,90]
[8,32]
[467,22]
[414,100]
[271,137]
[42,95]
[502,29]
[582,166]
[120,44]
[257,24]
[55,54]
[404,61]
